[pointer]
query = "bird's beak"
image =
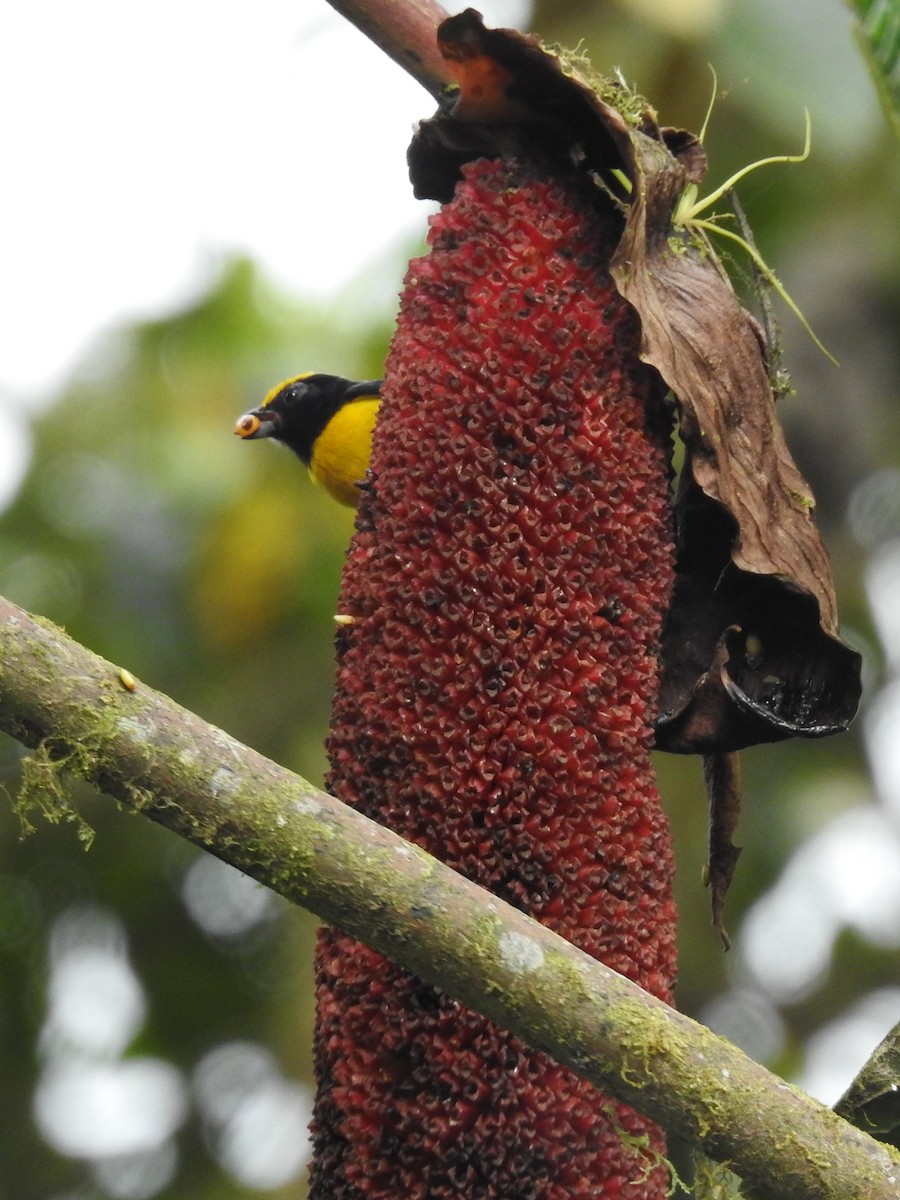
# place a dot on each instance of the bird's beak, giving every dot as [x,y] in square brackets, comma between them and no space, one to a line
[258,423]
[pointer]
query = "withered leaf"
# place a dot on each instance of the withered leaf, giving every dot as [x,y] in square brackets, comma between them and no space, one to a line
[751,563]
[751,651]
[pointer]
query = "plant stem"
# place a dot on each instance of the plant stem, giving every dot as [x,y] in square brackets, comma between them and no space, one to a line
[405,30]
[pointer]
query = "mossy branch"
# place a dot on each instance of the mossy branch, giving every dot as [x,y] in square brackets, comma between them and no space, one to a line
[91,718]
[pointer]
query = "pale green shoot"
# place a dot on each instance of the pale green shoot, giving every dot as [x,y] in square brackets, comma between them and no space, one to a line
[688,209]
[688,198]
[709,108]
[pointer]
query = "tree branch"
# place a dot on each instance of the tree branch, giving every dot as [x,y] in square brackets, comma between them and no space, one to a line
[405,30]
[86,716]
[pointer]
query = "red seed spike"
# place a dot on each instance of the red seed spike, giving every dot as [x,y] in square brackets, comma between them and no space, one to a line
[519,574]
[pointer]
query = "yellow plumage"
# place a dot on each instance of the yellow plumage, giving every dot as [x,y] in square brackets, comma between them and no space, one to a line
[340,455]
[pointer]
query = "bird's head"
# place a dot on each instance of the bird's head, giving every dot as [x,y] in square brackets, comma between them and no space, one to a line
[293,412]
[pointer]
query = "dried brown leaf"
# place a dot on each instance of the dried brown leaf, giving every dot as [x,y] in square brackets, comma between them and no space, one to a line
[751,651]
[872,1101]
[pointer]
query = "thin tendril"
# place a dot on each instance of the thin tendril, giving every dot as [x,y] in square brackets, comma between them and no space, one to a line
[694,211]
[768,274]
[701,138]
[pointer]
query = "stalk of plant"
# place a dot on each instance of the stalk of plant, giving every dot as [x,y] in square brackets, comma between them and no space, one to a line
[498,671]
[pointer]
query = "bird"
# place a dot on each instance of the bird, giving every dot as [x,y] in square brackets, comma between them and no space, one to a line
[327,421]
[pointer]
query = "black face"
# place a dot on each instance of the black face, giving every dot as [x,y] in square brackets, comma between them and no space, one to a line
[298,413]
[301,409]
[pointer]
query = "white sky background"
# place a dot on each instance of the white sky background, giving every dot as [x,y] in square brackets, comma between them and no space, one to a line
[142,143]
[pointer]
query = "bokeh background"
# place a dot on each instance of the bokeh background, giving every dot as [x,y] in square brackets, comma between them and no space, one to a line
[198,202]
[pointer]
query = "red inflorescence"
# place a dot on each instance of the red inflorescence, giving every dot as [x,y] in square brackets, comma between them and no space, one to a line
[508,578]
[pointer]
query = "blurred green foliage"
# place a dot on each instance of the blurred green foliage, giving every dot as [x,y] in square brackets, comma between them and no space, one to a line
[210,568]
[879,37]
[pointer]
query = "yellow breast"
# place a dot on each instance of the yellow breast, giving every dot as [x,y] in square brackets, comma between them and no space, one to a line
[341,452]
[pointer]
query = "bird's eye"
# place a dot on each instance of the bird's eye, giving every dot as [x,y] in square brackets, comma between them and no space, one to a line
[247,425]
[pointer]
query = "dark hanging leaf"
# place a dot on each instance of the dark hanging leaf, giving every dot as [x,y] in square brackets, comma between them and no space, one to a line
[872,1101]
[751,651]
[722,773]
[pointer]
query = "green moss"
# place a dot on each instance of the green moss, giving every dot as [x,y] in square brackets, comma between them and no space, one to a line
[803,500]
[43,793]
[615,92]
[714,1181]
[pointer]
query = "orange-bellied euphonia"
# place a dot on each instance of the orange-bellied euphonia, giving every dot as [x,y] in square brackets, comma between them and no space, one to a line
[327,421]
